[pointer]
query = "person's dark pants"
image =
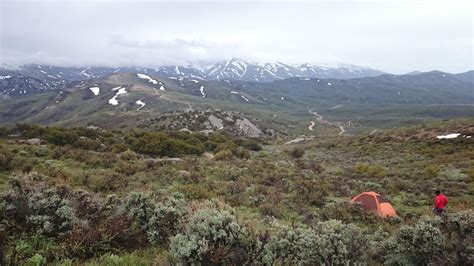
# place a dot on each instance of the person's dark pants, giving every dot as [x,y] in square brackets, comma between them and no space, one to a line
[438,211]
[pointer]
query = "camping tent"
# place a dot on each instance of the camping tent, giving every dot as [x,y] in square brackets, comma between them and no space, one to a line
[374,202]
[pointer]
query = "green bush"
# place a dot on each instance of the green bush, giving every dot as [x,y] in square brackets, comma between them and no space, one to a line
[459,228]
[285,246]
[296,152]
[162,144]
[61,137]
[224,155]
[432,170]
[6,159]
[415,245]
[140,208]
[165,219]
[326,243]
[36,260]
[51,212]
[211,236]
[366,170]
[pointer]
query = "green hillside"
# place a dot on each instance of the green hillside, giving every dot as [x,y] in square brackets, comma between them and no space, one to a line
[284,106]
[93,197]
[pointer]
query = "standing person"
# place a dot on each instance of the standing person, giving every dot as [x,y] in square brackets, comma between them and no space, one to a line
[440,203]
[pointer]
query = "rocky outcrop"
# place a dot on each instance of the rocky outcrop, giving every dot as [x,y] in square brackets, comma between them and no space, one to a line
[215,122]
[248,129]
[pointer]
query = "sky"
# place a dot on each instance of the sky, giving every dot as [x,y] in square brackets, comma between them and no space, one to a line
[392,36]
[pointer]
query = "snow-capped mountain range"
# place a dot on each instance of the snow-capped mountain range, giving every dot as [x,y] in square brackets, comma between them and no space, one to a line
[37,78]
[237,69]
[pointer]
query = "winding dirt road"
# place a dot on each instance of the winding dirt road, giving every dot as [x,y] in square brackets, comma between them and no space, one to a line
[322,120]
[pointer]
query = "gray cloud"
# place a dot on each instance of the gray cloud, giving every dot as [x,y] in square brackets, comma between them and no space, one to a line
[395,37]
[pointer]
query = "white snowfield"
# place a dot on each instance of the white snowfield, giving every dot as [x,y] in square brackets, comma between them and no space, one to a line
[95,90]
[162,88]
[449,136]
[5,77]
[194,80]
[329,83]
[114,100]
[141,103]
[203,94]
[151,80]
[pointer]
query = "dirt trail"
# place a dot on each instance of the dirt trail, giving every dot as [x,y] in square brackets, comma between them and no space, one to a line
[311,126]
[321,119]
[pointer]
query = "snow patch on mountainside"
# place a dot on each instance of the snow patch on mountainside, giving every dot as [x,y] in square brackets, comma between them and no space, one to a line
[95,90]
[151,80]
[141,103]
[201,90]
[114,100]
[449,136]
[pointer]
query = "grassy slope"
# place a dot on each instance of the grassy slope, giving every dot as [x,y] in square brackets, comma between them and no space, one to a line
[405,165]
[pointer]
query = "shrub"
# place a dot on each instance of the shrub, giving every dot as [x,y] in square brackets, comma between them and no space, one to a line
[164,222]
[6,159]
[51,212]
[470,174]
[432,170]
[126,168]
[211,236]
[344,211]
[296,152]
[224,155]
[61,136]
[284,246]
[311,191]
[420,244]
[36,260]
[107,182]
[140,208]
[128,155]
[250,144]
[328,243]
[101,237]
[459,228]
[369,170]
[162,144]
[335,243]
[242,153]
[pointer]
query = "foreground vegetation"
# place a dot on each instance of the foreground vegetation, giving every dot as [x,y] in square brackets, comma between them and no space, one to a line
[87,196]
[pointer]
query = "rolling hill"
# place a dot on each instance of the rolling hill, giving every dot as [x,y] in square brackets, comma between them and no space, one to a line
[283,106]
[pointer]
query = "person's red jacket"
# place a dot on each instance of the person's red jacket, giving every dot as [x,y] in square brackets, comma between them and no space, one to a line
[440,201]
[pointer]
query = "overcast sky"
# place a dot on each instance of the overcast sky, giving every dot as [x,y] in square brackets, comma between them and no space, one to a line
[394,36]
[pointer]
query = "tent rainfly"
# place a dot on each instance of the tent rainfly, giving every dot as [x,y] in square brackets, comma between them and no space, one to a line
[374,202]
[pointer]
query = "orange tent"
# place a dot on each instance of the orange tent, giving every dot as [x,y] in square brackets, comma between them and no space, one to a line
[374,202]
